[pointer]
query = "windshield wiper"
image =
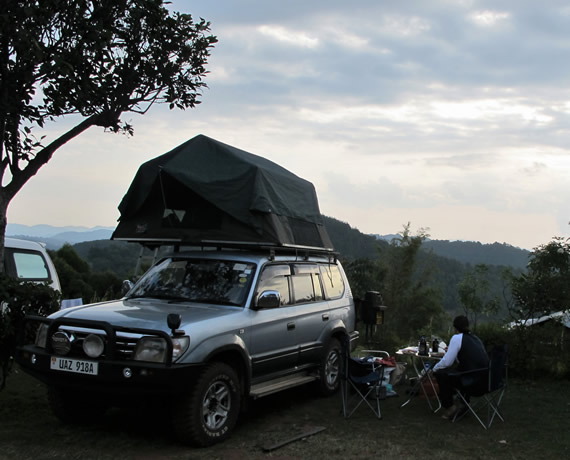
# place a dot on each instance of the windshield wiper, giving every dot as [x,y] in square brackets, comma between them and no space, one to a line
[150,295]
[214,301]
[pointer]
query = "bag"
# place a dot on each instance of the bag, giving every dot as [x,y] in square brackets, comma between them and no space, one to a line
[429,390]
[398,375]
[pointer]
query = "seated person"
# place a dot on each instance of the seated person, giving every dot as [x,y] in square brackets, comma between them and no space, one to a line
[469,352]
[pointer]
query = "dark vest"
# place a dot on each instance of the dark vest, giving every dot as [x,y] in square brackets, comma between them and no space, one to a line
[472,354]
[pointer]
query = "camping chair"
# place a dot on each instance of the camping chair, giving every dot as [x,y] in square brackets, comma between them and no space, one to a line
[361,380]
[487,396]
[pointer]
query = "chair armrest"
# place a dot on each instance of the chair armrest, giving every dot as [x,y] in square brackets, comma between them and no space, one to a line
[471,372]
[374,353]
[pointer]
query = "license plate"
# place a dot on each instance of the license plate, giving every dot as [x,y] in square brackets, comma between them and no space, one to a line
[74,365]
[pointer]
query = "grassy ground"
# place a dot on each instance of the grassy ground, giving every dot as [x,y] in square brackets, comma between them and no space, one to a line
[537,426]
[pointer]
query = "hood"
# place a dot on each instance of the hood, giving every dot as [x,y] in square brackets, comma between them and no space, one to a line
[146,313]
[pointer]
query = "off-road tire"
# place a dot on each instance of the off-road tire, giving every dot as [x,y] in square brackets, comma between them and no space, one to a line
[330,368]
[208,413]
[73,407]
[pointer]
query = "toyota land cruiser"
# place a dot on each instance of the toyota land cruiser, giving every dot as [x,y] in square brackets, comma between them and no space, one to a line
[207,329]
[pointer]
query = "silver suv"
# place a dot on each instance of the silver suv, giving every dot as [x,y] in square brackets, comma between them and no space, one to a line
[210,329]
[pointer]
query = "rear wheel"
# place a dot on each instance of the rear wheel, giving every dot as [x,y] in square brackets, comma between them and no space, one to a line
[209,412]
[329,370]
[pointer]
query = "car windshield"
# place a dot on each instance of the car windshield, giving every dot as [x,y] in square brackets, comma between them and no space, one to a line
[197,280]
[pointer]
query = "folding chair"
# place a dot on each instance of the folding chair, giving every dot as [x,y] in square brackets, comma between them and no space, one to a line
[488,396]
[361,380]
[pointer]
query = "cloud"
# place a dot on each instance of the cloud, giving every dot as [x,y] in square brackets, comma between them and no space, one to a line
[488,18]
[452,114]
[291,37]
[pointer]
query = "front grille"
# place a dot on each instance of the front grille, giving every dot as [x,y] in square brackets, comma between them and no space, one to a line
[124,346]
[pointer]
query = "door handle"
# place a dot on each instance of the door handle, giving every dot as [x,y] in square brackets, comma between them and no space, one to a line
[290,326]
[325,317]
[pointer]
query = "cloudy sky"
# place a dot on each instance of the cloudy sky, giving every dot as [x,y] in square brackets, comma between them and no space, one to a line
[453,115]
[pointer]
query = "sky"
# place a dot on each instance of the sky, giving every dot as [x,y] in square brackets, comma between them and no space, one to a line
[450,115]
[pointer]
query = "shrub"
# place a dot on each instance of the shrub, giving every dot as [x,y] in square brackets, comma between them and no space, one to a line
[18,299]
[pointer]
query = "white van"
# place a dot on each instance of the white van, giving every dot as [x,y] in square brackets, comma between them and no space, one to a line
[29,261]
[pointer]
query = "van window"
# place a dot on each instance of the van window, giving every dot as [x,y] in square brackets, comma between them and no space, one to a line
[332,281]
[30,266]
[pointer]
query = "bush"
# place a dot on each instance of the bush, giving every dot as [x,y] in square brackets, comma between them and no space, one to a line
[18,300]
[540,351]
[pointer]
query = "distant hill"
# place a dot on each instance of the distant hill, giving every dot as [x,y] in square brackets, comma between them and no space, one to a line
[449,261]
[471,252]
[56,237]
[350,242]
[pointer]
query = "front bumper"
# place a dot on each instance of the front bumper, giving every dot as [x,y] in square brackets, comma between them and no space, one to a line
[117,377]
[116,373]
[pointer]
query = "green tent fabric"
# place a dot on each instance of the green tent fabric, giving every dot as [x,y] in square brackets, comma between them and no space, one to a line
[205,190]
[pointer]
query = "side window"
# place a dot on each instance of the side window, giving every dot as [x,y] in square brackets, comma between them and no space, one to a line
[317,287]
[30,266]
[303,288]
[276,278]
[332,281]
[306,283]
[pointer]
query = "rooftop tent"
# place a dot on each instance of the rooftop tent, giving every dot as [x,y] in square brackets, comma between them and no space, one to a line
[204,191]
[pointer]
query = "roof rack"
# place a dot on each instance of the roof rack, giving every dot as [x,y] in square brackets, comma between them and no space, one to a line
[298,250]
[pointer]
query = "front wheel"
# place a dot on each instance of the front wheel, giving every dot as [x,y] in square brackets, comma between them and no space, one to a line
[329,370]
[209,412]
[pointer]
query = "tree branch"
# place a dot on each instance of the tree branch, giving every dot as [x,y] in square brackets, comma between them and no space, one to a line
[20,177]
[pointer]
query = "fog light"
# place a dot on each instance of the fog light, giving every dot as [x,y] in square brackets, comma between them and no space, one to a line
[61,343]
[127,373]
[33,359]
[93,346]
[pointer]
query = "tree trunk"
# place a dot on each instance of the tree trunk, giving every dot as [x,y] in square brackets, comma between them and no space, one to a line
[3,221]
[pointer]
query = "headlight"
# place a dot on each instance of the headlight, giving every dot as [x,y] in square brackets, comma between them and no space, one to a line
[180,345]
[41,335]
[151,349]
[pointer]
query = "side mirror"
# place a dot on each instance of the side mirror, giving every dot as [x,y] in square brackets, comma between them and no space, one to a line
[268,299]
[126,286]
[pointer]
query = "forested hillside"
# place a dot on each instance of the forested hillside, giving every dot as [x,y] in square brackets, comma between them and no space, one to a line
[472,252]
[449,262]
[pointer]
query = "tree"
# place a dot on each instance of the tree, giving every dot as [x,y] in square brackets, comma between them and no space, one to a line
[78,280]
[545,287]
[413,305]
[95,59]
[475,294]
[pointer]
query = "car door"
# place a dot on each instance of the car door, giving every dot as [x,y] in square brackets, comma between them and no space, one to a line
[273,341]
[312,312]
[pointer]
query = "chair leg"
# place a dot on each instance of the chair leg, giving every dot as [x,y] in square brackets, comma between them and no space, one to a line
[470,408]
[363,397]
[493,410]
[493,407]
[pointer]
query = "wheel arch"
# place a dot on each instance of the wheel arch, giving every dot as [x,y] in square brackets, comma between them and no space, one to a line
[237,358]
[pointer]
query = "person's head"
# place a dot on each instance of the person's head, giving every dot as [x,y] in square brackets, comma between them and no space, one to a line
[461,323]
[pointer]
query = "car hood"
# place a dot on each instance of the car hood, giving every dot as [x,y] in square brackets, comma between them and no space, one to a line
[147,313]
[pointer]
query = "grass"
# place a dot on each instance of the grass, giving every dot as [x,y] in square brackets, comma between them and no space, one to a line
[537,426]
